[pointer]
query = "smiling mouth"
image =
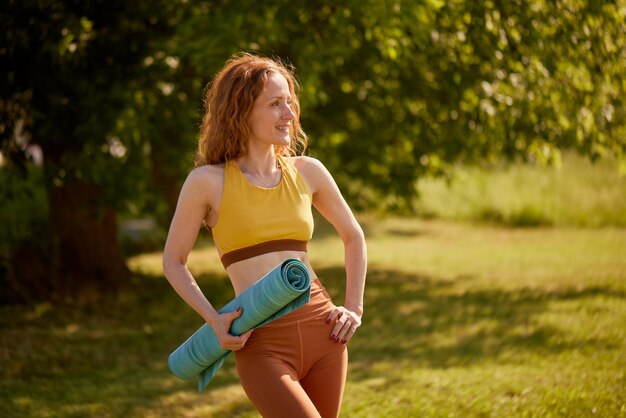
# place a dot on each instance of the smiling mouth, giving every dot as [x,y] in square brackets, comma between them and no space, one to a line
[283,128]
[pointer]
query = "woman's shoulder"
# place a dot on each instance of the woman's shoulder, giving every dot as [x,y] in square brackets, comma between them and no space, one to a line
[307,164]
[210,170]
[206,177]
[312,170]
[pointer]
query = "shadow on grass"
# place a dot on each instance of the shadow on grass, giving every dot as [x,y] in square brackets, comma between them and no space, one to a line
[107,359]
[416,321]
[111,358]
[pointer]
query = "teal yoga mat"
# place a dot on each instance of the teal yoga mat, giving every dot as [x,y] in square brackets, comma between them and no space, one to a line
[282,290]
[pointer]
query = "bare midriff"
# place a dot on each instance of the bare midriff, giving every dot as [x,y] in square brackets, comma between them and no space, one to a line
[245,273]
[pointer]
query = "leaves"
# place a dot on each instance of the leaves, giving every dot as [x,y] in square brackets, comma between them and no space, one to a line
[391,90]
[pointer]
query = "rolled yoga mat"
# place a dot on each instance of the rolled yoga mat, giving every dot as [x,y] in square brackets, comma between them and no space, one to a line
[282,290]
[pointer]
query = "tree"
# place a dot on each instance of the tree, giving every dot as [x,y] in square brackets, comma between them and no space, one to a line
[72,70]
[391,90]
[395,89]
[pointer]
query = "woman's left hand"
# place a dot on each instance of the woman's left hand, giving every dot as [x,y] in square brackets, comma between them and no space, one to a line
[347,323]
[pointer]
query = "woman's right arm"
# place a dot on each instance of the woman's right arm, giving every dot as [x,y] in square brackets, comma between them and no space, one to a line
[191,209]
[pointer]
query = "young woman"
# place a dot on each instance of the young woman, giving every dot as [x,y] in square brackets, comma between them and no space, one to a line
[255,194]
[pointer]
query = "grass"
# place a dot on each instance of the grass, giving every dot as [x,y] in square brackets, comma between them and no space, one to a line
[461,320]
[576,193]
[468,314]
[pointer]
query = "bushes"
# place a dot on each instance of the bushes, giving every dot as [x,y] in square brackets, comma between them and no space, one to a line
[24,232]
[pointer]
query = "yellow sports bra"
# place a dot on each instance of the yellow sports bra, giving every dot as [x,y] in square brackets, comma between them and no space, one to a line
[254,220]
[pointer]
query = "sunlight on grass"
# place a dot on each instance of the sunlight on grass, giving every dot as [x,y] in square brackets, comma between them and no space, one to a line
[460,320]
[578,193]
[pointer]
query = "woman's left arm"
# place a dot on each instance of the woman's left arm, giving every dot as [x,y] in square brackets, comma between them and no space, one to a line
[328,200]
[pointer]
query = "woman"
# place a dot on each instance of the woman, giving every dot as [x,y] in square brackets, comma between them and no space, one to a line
[256,195]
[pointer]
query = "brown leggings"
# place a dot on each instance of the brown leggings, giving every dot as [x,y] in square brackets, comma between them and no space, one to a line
[291,368]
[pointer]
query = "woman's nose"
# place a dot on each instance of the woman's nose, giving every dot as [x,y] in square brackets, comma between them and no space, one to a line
[288,112]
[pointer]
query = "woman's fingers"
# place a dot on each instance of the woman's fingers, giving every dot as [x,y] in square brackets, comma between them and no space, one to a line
[231,316]
[233,342]
[346,337]
[347,323]
[244,337]
[343,328]
[226,339]
[335,313]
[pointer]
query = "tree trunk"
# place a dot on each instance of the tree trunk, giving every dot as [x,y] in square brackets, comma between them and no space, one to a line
[164,181]
[85,241]
[80,258]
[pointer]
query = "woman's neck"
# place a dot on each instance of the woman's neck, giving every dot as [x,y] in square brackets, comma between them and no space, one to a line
[259,162]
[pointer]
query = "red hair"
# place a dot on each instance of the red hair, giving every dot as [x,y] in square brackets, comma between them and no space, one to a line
[228,102]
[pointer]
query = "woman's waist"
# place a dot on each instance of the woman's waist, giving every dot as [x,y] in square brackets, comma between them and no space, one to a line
[232,255]
[319,305]
[246,273]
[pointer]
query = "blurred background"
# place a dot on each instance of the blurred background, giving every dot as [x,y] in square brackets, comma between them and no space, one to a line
[101,103]
[432,115]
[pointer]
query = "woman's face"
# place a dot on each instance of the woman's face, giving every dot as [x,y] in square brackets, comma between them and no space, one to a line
[271,115]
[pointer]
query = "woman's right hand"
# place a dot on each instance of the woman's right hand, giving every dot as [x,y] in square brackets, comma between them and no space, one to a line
[221,326]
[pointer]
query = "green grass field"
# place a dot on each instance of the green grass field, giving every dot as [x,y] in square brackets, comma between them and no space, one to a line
[575,193]
[462,319]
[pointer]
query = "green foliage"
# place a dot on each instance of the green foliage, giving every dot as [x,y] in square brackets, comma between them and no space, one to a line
[391,90]
[24,210]
[73,73]
[24,232]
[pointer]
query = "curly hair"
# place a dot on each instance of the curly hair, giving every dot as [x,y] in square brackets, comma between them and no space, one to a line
[228,101]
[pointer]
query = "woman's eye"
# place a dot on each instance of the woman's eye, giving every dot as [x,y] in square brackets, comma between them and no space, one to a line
[275,104]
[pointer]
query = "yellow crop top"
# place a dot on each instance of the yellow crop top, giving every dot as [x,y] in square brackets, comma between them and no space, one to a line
[254,220]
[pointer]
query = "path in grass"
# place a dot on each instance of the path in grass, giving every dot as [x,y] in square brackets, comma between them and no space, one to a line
[461,320]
